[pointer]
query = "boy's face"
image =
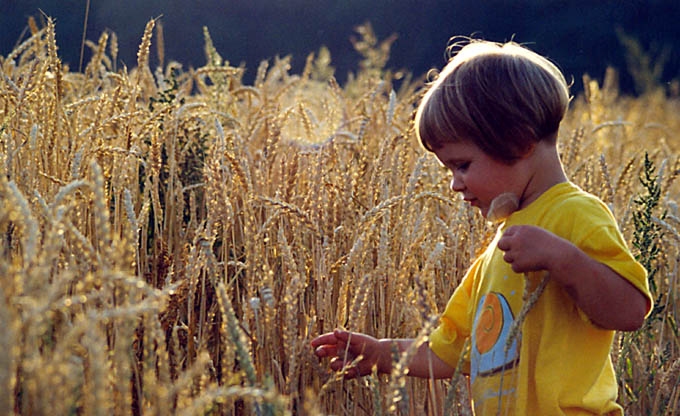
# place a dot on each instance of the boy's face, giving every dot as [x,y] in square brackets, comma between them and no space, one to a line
[480,178]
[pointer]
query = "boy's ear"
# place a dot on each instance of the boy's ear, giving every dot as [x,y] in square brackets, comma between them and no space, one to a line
[529,150]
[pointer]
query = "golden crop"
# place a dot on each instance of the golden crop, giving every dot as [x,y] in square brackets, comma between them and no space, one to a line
[173,239]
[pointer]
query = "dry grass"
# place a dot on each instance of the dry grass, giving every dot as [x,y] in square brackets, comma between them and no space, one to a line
[172,239]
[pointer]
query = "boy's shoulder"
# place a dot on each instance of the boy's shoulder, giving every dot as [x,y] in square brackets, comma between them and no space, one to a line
[573,201]
[573,213]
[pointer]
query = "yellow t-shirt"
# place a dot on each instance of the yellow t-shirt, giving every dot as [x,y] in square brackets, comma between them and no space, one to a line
[560,364]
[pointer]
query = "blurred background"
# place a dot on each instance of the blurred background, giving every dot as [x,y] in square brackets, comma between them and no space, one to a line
[582,36]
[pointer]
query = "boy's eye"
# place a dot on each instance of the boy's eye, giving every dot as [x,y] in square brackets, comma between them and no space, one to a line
[457,166]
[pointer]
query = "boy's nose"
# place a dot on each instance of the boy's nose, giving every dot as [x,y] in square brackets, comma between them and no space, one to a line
[457,185]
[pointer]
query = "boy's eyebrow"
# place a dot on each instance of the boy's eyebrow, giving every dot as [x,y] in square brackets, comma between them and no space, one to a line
[454,161]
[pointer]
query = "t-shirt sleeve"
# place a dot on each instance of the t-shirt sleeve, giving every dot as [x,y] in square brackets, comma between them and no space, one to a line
[606,245]
[596,233]
[447,341]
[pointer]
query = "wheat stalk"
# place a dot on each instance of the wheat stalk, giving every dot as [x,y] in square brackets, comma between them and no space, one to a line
[192,248]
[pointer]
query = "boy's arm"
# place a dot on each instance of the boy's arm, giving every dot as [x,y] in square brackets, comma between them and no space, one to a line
[424,363]
[345,347]
[609,300]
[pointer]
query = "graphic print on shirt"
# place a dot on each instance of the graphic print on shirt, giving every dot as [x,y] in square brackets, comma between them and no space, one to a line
[489,336]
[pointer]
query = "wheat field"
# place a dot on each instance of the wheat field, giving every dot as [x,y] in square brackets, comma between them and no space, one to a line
[173,238]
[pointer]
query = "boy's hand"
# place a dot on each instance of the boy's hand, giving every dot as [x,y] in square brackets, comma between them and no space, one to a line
[529,248]
[609,300]
[345,347]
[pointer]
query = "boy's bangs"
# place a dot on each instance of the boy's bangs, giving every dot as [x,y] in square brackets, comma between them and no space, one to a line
[436,122]
[428,130]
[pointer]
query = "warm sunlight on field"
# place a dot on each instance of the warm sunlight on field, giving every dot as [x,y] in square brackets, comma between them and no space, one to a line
[172,238]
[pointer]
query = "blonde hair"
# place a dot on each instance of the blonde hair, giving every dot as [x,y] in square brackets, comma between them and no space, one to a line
[502,97]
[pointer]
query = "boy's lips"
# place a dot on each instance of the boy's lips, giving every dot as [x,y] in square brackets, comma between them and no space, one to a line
[471,201]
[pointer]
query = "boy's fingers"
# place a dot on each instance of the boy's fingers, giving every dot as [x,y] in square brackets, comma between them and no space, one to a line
[337,364]
[326,350]
[355,340]
[324,339]
[345,339]
[351,373]
[341,335]
[503,243]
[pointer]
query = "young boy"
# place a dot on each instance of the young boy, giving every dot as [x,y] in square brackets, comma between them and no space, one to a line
[492,118]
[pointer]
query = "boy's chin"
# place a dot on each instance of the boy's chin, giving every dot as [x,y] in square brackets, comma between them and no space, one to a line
[483,210]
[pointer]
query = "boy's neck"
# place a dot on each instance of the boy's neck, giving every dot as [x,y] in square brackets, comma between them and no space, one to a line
[544,170]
